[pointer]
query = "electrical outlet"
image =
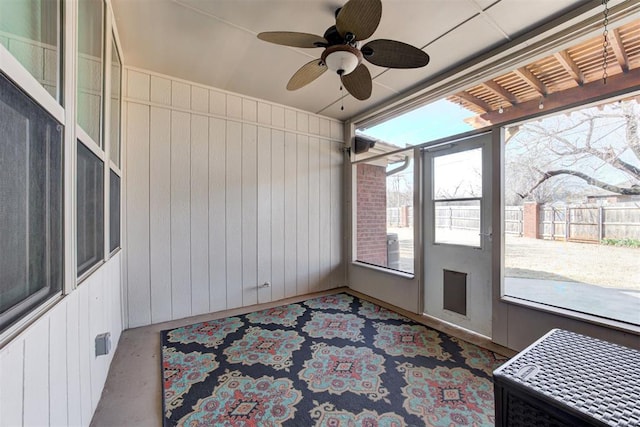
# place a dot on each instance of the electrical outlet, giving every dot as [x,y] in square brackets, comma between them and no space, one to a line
[103,344]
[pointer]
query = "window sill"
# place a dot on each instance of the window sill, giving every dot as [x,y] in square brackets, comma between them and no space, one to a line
[390,271]
[114,252]
[571,314]
[84,276]
[21,325]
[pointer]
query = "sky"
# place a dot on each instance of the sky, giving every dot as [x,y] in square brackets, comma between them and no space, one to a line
[430,122]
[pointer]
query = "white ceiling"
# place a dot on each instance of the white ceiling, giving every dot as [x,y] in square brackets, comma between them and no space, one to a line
[213,42]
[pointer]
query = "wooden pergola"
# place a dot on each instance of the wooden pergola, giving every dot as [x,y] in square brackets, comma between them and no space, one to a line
[567,77]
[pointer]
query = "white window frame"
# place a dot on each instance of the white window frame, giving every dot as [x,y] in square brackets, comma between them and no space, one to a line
[16,72]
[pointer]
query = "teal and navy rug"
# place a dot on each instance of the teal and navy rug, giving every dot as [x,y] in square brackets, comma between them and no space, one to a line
[331,361]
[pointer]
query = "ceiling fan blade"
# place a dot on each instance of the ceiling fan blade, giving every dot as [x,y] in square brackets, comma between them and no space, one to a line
[293,39]
[358,82]
[394,54]
[359,17]
[306,74]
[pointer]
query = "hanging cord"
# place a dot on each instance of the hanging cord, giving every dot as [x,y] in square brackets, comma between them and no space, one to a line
[605,42]
[341,98]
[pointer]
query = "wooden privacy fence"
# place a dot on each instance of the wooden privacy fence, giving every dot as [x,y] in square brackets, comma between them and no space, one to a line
[589,223]
[585,223]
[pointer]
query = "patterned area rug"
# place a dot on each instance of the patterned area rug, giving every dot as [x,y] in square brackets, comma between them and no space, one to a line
[331,361]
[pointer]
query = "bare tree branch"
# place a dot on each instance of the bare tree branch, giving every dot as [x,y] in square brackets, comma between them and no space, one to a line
[608,156]
[633,190]
[633,136]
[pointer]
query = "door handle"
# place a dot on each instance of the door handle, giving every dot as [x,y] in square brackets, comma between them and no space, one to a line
[489,235]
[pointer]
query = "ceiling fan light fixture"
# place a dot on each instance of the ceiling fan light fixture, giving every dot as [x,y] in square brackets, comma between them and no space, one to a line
[342,59]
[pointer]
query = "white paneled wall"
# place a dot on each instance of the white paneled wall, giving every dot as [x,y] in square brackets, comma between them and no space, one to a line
[49,374]
[225,193]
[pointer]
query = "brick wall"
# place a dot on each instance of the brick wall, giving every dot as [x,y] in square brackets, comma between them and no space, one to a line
[531,219]
[371,214]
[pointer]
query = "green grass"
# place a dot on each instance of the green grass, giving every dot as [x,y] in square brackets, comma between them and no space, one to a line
[627,243]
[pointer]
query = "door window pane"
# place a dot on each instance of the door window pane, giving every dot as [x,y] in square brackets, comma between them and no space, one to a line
[458,175]
[116,75]
[90,17]
[114,211]
[30,30]
[457,194]
[458,223]
[31,206]
[90,217]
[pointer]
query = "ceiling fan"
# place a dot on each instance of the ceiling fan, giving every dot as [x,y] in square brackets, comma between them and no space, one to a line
[355,21]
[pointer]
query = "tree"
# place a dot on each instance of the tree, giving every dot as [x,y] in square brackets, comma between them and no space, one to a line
[597,146]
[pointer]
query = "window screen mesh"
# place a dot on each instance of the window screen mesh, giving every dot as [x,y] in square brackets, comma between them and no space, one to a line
[114,211]
[31,204]
[90,218]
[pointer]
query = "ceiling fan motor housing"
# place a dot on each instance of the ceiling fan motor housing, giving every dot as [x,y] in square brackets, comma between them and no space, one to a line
[341,59]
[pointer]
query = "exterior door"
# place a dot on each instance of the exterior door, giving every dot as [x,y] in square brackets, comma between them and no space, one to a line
[457,227]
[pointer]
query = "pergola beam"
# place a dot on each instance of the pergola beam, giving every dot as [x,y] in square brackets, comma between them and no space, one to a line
[616,85]
[619,51]
[475,101]
[529,78]
[500,91]
[570,66]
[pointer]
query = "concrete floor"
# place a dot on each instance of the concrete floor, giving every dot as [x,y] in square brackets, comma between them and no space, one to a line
[611,303]
[132,395]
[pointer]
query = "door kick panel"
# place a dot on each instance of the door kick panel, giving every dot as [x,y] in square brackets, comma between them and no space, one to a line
[455,291]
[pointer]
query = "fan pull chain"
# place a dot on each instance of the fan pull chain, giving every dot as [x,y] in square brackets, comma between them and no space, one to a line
[341,98]
[605,43]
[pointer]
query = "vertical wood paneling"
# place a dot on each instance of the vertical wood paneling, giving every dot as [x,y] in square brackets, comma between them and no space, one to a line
[302,122]
[199,99]
[337,278]
[264,113]
[116,309]
[85,353]
[234,106]
[264,213]
[160,214]
[277,116]
[314,125]
[325,213]
[73,360]
[217,103]
[249,110]
[337,131]
[277,215]
[36,375]
[290,119]
[180,95]
[217,214]
[199,214]
[290,216]
[325,128]
[138,85]
[302,220]
[11,375]
[97,325]
[234,214]
[160,90]
[232,202]
[58,366]
[249,215]
[180,214]
[137,226]
[50,375]
[314,214]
